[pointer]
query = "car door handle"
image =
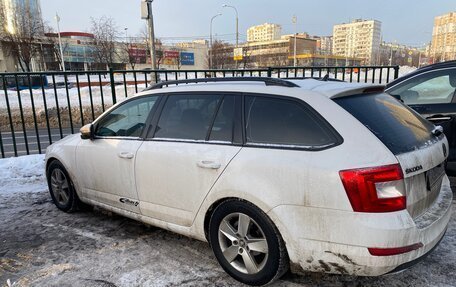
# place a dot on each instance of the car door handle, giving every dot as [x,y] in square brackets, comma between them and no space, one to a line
[125,154]
[439,118]
[208,164]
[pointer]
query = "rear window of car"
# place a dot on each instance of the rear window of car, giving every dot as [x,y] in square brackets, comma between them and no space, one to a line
[396,125]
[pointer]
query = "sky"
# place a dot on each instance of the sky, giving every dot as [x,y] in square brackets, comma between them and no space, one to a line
[408,22]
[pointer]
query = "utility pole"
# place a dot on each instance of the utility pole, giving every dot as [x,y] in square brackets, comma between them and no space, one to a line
[57,19]
[295,21]
[391,54]
[443,59]
[146,13]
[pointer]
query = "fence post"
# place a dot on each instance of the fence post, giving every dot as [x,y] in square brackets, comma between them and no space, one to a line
[113,87]
[396,72]
[269,72]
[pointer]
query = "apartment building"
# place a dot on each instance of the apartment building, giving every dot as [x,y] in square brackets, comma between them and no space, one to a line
[443,46]
[402,55]
[21,13]
[358,39]
[324,45]
[264,32]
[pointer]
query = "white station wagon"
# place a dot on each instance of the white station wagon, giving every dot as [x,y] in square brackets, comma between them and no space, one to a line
[332,177]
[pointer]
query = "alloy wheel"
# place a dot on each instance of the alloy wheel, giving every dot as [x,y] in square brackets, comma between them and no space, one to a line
[60,187]
[243,243]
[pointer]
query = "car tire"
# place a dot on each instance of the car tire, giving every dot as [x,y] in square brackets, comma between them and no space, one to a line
[247,244]
[61,187]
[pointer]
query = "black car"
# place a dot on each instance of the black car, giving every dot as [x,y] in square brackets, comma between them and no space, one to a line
[431,92]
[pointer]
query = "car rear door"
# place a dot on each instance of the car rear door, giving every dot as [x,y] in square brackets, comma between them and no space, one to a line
[190,144]
[432,94]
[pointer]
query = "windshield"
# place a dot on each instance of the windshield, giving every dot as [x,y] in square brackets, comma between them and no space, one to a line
[396,125]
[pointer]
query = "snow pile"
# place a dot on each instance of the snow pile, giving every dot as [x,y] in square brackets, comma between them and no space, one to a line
[404,70]
[22,174]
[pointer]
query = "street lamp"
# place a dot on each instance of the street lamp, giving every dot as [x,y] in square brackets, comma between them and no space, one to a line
[57,19]
[237,22]
[210,50]
[126,34]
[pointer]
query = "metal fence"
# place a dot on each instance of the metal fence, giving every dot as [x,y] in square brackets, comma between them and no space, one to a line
[37,109]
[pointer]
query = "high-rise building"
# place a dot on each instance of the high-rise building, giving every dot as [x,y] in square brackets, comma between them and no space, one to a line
[324,45]
[264,32]
[21,14]
[359,39]
[443,46]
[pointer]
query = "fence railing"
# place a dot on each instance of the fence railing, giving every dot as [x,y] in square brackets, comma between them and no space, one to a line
[39,108]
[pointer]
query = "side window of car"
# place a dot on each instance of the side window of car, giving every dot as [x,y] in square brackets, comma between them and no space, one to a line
[187,117]
[223,127]
[277,122]
[431,88]
[127,120]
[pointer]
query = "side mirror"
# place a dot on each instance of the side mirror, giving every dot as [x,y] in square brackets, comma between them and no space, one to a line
[86,132]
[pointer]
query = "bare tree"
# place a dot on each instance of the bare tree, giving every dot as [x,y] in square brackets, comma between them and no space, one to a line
[21,39]
[221,52]
[105,34]
[246,59]
[129,53]
[144,36]
[51,43]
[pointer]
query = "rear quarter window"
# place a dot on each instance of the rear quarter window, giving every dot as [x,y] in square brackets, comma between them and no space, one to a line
[278,122]
[400,128]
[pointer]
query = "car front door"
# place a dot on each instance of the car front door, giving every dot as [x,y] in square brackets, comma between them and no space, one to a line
[190,145]
[105,164]
[432,94]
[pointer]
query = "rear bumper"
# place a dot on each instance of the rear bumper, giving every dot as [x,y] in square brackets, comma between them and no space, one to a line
[335,241]
[417,260]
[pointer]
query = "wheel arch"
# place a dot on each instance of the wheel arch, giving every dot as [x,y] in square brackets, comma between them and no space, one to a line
[218,202]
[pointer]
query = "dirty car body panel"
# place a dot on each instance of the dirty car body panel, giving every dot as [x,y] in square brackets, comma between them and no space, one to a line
[346,199]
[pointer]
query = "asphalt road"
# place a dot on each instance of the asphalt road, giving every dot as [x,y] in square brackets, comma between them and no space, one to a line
[30,140]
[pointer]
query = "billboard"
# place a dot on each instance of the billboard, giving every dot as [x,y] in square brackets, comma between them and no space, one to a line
[138,55]
[187,58]
[237,54]
[171,54]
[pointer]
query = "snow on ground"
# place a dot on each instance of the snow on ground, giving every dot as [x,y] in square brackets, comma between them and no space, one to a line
[61,98]
[42,246]
[22,174]
[404,70]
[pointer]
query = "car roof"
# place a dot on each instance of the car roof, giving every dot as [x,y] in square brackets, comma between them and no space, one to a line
[305,87]
[432,67]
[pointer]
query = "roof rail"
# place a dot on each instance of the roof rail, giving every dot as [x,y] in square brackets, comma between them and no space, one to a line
[265,80]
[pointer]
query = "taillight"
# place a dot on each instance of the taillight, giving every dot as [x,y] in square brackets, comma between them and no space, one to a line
[375,189]
[394,250]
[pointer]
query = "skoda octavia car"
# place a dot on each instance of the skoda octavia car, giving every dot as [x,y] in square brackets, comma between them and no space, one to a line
[332,177]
